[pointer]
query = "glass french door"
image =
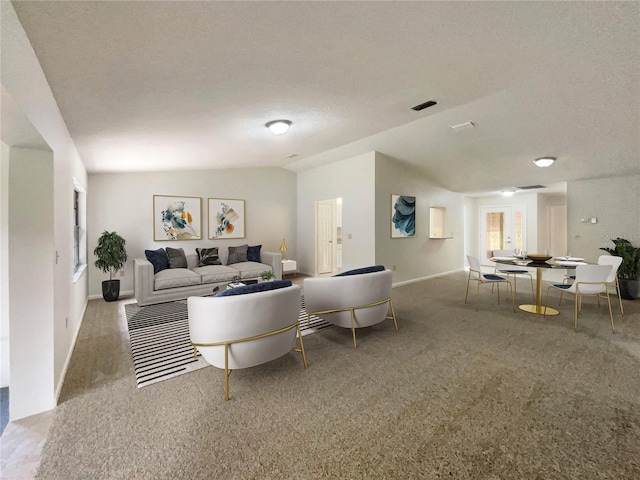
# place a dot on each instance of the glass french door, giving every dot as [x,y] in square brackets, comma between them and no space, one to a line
[501,228]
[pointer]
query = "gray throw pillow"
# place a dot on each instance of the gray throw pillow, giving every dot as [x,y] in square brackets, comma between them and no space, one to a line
[237,254]
[208,256]
[177,258]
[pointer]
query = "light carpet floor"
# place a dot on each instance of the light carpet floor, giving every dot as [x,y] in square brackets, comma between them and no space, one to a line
[454,394]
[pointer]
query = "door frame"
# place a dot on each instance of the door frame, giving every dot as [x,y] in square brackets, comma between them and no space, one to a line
[510,215]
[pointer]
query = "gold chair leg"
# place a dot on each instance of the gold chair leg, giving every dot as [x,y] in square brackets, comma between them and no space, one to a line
[613,329]
[226,372]
[301,349]
[513,304]
[533,295]
[546,302]
[308,320]
[467,294]
[498,286]
[393,314]
[576,313]
[195,352]
[619,297]
[560,301]
[353,328]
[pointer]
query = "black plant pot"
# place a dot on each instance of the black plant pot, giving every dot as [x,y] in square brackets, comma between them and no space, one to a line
[111,290]
[628,289]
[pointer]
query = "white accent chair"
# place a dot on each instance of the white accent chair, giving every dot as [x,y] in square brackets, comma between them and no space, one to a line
[351,301]
[591,280]
[241,331]
[475,274]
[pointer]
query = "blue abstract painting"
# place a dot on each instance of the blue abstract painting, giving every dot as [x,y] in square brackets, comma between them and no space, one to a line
[403,216]
[176,218]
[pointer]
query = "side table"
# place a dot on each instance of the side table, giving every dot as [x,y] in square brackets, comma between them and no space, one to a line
[289,266]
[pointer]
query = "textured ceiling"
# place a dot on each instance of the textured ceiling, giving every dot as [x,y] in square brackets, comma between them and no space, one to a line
[190,85]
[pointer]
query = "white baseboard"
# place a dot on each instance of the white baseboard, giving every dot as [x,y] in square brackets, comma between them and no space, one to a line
[122,293]
[428,277]
[73,346]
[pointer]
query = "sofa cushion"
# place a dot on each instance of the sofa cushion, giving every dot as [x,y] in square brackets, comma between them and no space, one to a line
[256,287]
[158,259]
[250,269]
[253,253]
[177,258]
[176,277]
[208,256]
[216,273]
[360,271]
[237,254]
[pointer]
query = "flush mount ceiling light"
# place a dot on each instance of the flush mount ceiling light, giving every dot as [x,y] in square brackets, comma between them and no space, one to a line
[508,193]
[278,127]
[544,161]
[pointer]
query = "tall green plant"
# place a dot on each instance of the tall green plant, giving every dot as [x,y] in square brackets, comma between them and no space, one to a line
[111,253]
[630,266]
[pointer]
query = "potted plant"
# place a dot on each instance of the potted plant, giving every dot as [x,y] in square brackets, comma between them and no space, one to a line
[629,271]
[267,275]
[111,258]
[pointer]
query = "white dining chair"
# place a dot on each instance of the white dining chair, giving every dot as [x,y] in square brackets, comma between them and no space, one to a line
[475,274]
[591,280]
[507,270]
[612,280]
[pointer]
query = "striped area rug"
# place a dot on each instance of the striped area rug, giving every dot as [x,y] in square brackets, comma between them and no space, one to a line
[160,343]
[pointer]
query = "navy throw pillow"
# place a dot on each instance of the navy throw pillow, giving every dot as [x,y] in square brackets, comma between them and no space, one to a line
[360,271]
[253,253]
[256,287]
[158,259]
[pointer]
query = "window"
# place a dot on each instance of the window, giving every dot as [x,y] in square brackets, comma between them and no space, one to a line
[76,230]
[79,230]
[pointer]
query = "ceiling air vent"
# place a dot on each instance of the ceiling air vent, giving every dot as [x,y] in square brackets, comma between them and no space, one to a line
[531,187]
[424,105]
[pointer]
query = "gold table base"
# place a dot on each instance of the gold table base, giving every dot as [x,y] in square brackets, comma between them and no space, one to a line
[539,309]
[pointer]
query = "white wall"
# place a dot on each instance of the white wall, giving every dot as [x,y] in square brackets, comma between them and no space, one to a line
[31,275]
[4,265]
[124,202]
[25,82]
[614,201]
[416,257]
[353,180]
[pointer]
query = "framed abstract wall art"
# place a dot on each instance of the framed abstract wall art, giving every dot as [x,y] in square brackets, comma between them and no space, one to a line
[177,218]
[403,216]
[226,218]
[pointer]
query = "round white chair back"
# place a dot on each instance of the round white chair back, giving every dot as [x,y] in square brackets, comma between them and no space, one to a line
[615,262]
[595,275]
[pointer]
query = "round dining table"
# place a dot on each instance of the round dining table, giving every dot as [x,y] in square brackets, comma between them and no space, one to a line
[538,308]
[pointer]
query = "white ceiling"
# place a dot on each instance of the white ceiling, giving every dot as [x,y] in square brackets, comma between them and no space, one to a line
[189,85]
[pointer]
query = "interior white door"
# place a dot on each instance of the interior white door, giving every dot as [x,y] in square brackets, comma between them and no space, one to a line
[324,236]
[558,230]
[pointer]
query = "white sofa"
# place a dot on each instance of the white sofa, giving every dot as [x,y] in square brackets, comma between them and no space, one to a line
[180,283]
[352,299]
[241,331]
